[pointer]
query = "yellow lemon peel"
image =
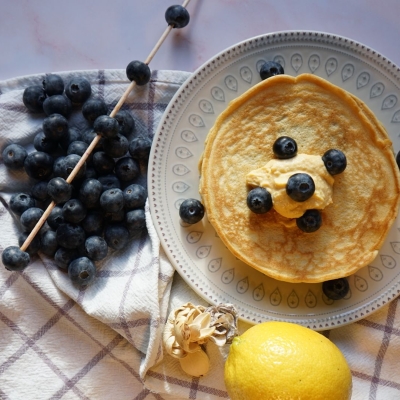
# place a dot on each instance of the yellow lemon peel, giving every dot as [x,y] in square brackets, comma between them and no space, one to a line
[285,361]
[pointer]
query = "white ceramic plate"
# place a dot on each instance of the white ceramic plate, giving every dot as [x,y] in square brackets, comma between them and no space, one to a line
[195,251]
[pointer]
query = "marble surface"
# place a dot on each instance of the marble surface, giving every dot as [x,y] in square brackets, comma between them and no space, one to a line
[40,36]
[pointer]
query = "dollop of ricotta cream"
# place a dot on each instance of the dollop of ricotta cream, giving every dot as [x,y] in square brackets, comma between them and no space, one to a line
[274,176]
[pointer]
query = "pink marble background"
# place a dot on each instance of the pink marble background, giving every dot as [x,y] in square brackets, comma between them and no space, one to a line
[38,36]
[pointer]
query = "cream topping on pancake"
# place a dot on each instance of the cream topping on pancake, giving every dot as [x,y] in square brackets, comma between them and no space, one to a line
[274,175]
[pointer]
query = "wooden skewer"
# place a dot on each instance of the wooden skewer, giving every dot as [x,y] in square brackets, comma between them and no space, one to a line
[97,138]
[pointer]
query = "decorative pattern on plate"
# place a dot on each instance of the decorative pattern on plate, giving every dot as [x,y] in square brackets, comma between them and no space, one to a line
[314,62]
[331,66]
[377,89]
[389,102]
[196,251]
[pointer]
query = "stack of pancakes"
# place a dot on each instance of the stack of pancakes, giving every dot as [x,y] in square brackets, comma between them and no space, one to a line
[319,116]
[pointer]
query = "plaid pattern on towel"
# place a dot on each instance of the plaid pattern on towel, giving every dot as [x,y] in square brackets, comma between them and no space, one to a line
[57,342]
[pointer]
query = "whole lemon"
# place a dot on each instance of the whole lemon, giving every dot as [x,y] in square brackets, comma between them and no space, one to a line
[281,360]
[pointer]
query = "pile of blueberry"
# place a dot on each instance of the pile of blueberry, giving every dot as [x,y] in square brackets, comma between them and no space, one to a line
[103,207]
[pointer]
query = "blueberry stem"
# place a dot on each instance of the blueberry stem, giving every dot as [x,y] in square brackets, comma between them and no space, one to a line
[97,138]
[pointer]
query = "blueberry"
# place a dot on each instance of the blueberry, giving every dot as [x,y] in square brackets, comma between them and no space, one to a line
[109,181]
[81,271]
[134,196]
[259,200]
[177,16]
[135,221]
[20,202]
[270,68]
[139,72]
[57,104]
[111,217]
[49,243]
[284,147]
[70,236]
[39,191]
[103,163]
[300,187]
[127,169]
[336,289]
[89,192]
[116,236]
[77,147]
[96,248]
[53,84]
[63,257]
[34,245]
[88,135]
[191,211]
[78,90]
[112,200]
[93,223]
[58,166]
[68,164]
[59,190]
[126,122]
[335,161]
[72,135]
[55,127]
[30,218]
[38,165]
[56,218]
[14,259]
[310,221]
[90,173]
[116,147]
[33,98]
[93,108]
[139,148]
[106,126]
[14,156]
[43,143]
[74,211]
[398,159]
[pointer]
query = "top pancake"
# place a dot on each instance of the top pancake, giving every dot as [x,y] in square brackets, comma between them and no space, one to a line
[319,116]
